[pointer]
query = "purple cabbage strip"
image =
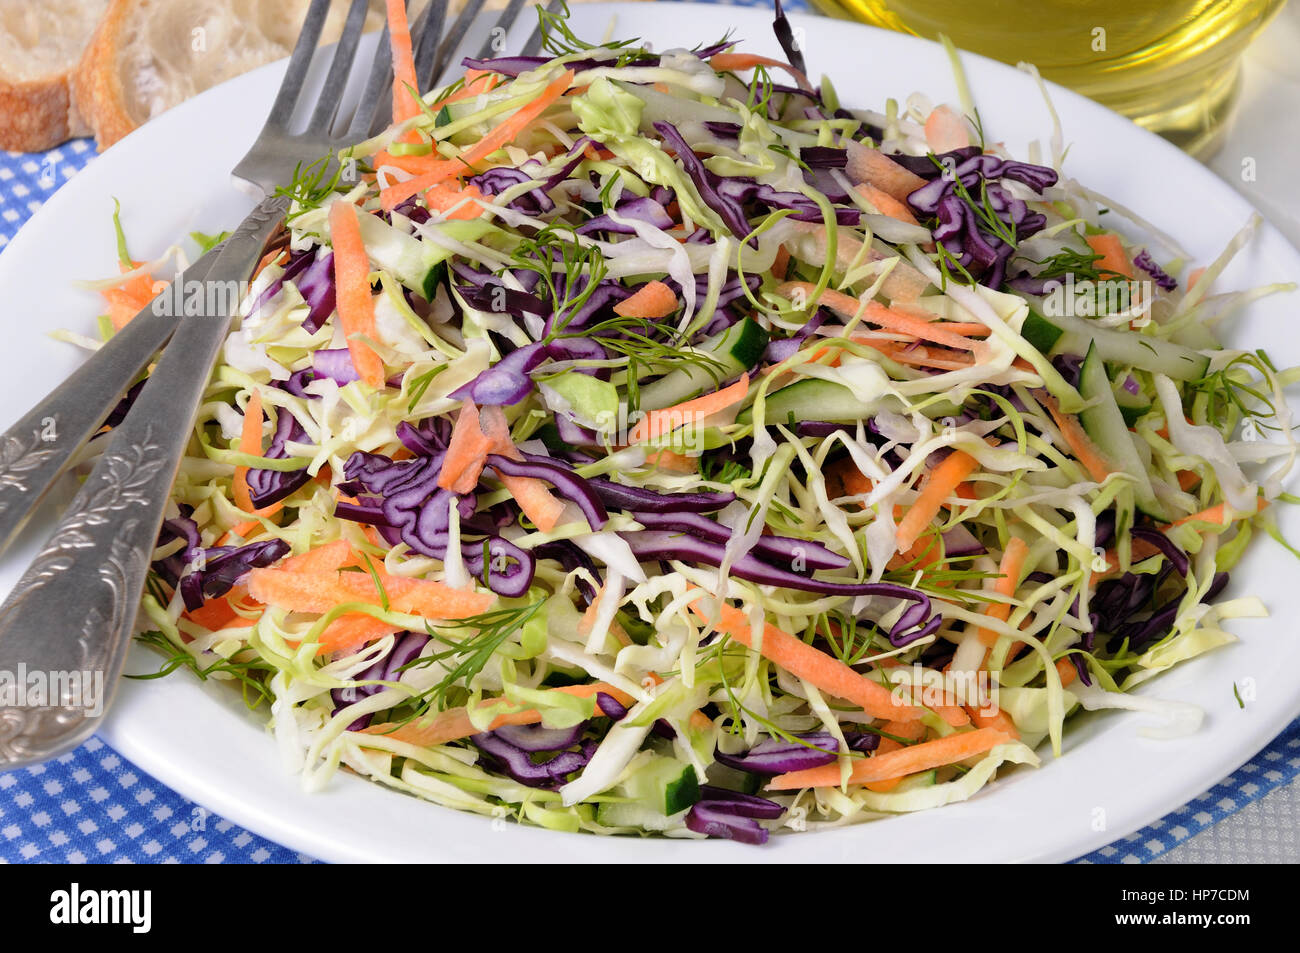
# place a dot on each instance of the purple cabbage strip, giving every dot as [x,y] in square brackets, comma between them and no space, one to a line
[571,557]
[1177,558]
[406,649]
[505,382]
[1161,277]
[271,486]
[785,36]
[729,210]
[566,482]
[773,756]
[641,209]
[783,548]
[336,364]
[610,706]
[520,765]
[223,566]
[537,738]
[649,501]
[912,625]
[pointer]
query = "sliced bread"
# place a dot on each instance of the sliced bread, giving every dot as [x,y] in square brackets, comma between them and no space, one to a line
[40,44]
[149,55]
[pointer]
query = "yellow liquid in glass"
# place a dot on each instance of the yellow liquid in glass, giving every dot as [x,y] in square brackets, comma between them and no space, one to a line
[1170,65]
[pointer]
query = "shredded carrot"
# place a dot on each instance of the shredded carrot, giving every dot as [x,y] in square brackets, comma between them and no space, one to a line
[879,170]
[1194,276]
[405,84]
[1080,444]
[739,62]
[1066,671]
[999,719]
[220,613]
[338,554]
[467,451]
[454,723]
[1218,515]
[1113,257]
[946,130]
[671,462]
[356,304]
[781,264]
[803,661]
[877,313]
[911,760]
[658,423]
[322,591]
[1013,562]
[352,631]
[654,299]
[503,134]
[444,197]
[943,481]
[886,204]
[912,731]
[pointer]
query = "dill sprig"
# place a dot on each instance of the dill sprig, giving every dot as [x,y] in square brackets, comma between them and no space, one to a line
[250,674]
[494,629]
[421,384]
[312,184]
[560,40]
[1225,391]
[577,259]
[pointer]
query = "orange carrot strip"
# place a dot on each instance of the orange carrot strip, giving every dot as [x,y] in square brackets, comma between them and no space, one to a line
[657,423]
[998,719]
[1066,670]
[654,299]
[336,555]
[875,168]
[356,305]
[671,462]
[322,591]
[250,442]
[1080,444]
[1013,562]
[912,731]
[886,204]
[877,313]
[943,481]
[803,661]
[467,451]
[405,84]
[350,632]
[894,764]
[504,133]
[946,130]
[1113,257]
[739,62]
[1217,515]
[454,724]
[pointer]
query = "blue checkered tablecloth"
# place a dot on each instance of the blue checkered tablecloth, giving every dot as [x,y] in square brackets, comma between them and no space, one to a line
[93,806]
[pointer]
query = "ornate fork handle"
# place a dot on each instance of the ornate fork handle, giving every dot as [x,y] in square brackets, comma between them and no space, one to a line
[66,625]
[35,450]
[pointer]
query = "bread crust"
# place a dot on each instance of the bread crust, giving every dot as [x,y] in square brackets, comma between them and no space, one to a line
[38,115]
[97,92]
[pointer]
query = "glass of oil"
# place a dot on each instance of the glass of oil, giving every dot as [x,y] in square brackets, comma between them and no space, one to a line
[1169,65]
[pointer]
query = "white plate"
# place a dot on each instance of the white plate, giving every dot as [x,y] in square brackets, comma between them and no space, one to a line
[172,177]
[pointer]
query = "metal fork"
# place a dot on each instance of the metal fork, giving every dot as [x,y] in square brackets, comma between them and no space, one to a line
[69,619]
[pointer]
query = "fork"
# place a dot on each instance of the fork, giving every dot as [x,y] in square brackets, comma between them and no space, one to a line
[69,619]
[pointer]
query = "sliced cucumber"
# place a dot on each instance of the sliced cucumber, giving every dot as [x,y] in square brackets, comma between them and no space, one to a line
[1041,334]
[736,349]
[816,399]
[1133,407]
[413,262]
[621,814]
[1105,424]
[1122,347]
[665,785]
[925,779]
[813,399]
